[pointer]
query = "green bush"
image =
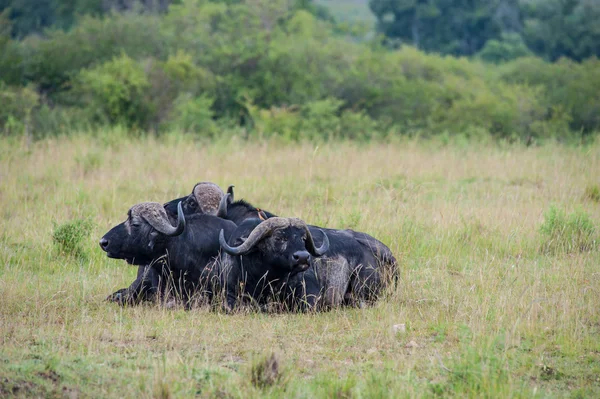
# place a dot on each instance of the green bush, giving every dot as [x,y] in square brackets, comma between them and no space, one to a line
[51,61]
[504,111]
[193,115]
[278,121]
[69,237]
[511,46]
[570,87]
[357,126]
[320,118]
[59,119]
[17,107]
[572,233]
[116,89]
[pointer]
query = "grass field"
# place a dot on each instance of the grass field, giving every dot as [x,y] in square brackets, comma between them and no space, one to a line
[499,292]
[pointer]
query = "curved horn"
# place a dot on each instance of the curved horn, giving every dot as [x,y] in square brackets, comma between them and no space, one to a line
[310,243]
[230,191]
[160,222]
[222,211]
[255,236]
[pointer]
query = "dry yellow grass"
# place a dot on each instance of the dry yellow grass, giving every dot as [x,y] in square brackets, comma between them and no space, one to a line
[487,313]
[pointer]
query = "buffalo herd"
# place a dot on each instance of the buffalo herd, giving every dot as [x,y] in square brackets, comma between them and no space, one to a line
[208,248]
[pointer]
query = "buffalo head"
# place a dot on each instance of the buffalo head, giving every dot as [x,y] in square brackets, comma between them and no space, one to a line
[204,199]
[278,243]
[140,239]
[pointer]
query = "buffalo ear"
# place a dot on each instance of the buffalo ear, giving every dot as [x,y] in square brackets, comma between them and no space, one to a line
[153,236]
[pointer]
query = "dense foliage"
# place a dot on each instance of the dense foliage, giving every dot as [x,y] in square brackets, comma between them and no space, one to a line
[276,68]
[549,28]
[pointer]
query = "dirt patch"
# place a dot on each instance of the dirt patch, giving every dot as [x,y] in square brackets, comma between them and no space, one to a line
[17,388]
[50,375]
[70,393]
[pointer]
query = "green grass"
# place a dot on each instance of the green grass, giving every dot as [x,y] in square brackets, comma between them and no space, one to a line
[488,312]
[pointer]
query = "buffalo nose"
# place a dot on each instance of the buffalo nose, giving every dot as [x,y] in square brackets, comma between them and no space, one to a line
[301,257]
[103,243]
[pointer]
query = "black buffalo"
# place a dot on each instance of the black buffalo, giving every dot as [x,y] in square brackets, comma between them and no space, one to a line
[187,252]
[354,270]
[262,256]
[204,199]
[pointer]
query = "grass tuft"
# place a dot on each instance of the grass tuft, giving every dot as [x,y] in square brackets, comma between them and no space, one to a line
[592,193]
[69,237]
[265,372]
[567,234]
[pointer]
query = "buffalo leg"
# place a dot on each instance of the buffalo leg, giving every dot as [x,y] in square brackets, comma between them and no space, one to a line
[143,288]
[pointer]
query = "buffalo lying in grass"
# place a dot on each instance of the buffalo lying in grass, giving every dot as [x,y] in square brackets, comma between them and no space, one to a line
[352,272]
[204,200]
[187,252]
[355,268]
[262,256]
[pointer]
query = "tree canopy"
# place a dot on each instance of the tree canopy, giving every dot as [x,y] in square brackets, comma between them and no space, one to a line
[549,28]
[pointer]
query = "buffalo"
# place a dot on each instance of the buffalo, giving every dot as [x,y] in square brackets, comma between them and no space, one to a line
[188,251]
[354,270]
[204,199]
[262,256]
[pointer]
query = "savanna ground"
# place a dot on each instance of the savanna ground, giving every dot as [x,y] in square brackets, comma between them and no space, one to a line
[499,295]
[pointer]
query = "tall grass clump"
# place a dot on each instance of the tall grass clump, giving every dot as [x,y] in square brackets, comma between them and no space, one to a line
[567,233]
[69,237]
[592,193]
[266,372]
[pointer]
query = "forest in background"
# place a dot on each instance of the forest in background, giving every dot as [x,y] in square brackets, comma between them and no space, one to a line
[507,69]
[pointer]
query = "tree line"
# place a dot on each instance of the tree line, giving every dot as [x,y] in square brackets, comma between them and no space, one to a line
[496,30]
[271,67]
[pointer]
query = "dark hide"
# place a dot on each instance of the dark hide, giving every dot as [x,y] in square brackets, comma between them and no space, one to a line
[188,260]
[353,271]
[262,275]
[151,280]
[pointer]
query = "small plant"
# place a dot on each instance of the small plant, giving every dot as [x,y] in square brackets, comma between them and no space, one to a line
[68,237]
[266,372]
[572,233]
[593,193]
[89,162]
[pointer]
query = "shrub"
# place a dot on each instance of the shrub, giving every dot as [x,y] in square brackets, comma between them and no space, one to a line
[277,121]
[509,47]
[572,233]
[68,237]
[504,111]
[49,120]
[16,109]
[593,193]
[357,126]
[320,118]
[193,115]
[573,88]
[116,89]
[51,61]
